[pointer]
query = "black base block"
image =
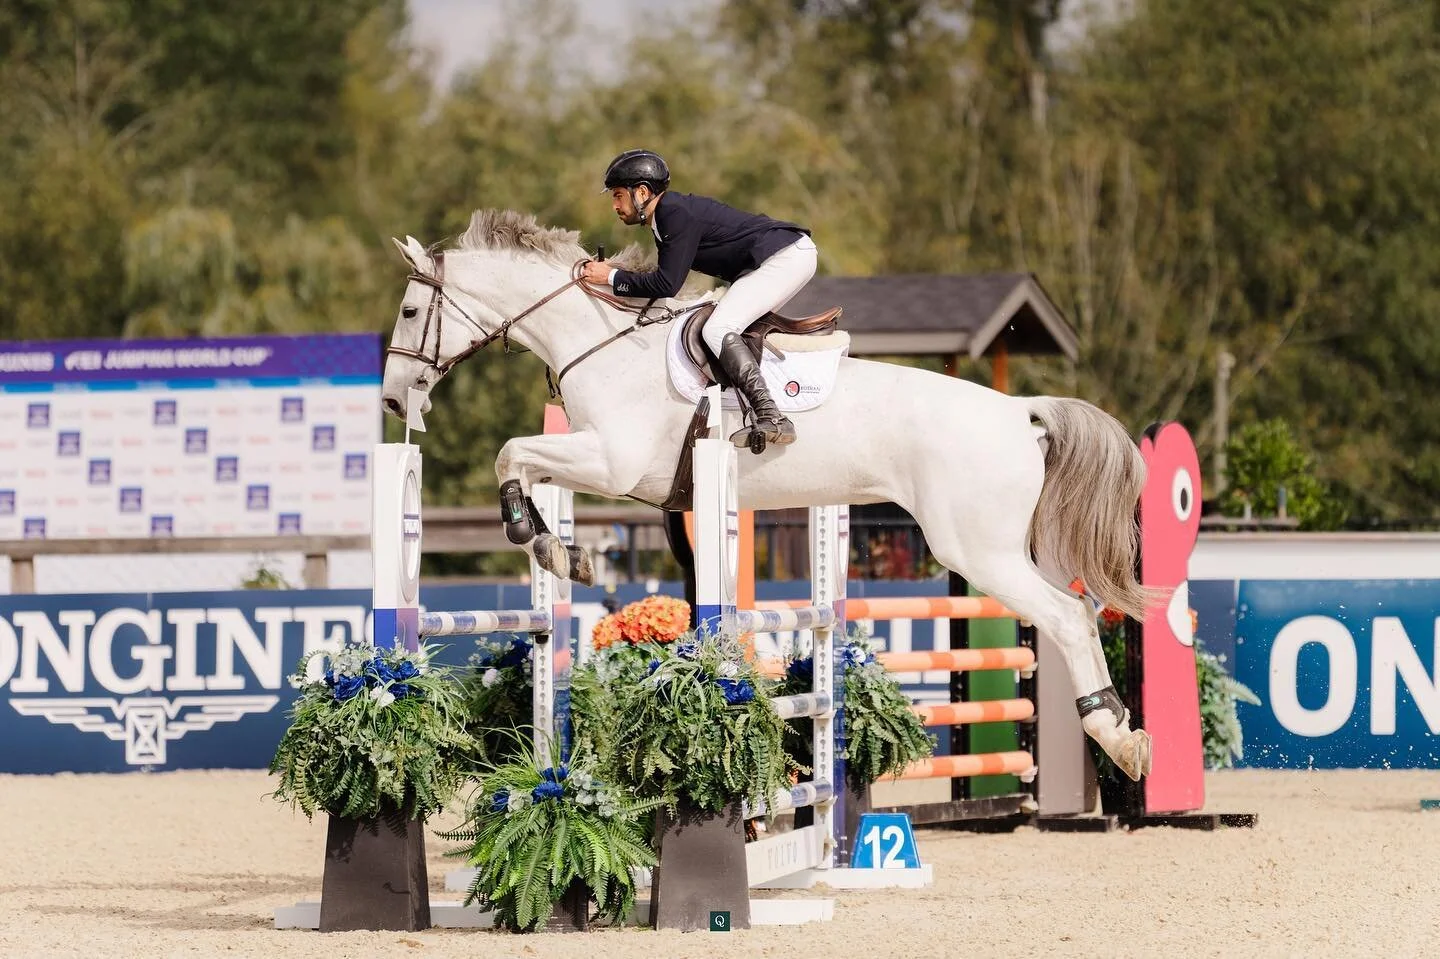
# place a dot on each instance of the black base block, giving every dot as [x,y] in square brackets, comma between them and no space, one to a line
[1193,820]
[375,875]
[572,912]
[702,869]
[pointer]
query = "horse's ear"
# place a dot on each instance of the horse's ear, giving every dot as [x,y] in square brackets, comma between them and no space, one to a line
[413,253]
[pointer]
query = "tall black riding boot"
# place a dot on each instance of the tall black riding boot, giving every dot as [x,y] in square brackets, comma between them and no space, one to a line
[740,365]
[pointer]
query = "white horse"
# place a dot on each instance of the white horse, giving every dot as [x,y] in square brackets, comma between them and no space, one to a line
[1019,510]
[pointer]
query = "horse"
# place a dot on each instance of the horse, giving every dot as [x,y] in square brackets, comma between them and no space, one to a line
[1020,495]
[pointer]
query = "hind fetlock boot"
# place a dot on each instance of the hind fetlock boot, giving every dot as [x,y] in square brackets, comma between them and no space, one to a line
[744,371]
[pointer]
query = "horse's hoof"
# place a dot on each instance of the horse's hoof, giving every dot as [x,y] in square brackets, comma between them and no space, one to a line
[552,555]
[1135,756]
[582,570]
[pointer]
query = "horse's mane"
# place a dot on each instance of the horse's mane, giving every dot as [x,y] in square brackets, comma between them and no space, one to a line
[522,233]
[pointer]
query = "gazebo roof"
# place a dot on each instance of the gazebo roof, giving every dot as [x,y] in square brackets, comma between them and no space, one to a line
[940,314]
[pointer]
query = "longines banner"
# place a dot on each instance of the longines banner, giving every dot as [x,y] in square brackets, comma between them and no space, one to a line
[217,437]
[110,683]
[1348,673]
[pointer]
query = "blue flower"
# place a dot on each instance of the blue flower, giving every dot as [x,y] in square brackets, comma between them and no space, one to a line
[687,650]
[802,669]
[654,665]
[406,670]
[547,790]
[401,690]
[516,655]
[348,687]
[736,691]
[555,775]
[379,670]
[500,801]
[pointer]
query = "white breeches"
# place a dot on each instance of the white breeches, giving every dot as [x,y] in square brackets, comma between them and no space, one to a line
[769,288]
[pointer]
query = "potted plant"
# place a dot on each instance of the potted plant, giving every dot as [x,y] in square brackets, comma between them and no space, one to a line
[624,644]
[377,741]
[546,834]
[880,732]
[686,721]
[498,692]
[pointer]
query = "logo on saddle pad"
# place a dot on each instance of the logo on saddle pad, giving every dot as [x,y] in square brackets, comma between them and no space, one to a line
[795,388]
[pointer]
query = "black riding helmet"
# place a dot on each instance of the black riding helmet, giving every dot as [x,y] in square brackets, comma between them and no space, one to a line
[634,167]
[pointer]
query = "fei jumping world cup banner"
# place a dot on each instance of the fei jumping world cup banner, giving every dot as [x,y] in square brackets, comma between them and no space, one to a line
[259,436]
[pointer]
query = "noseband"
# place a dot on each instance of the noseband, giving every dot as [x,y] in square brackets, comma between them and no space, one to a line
[435,313]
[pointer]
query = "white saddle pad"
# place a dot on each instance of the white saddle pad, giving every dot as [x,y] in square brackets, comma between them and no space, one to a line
[801,381]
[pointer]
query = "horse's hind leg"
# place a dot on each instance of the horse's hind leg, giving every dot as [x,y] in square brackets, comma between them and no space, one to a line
[1070,624]
[1009,576]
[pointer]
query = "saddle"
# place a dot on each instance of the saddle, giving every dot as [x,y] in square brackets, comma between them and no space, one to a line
[755,335]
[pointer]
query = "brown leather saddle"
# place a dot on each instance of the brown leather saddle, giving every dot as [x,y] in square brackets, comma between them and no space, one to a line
[754,335]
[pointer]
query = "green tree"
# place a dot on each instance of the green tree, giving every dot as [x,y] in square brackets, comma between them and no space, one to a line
[1263,461]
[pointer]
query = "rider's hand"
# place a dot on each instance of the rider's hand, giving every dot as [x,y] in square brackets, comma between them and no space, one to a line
[596,272]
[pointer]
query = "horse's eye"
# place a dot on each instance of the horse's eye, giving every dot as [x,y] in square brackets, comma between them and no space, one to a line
[409,312]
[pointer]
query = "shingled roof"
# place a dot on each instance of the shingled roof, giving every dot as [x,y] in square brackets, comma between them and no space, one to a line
[928,314]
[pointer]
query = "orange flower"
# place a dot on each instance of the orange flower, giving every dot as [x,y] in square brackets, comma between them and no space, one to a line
[1112,616]
[606,632]
[1194,622]
[654,619]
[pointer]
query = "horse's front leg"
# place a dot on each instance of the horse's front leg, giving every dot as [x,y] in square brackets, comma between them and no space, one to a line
[575,461]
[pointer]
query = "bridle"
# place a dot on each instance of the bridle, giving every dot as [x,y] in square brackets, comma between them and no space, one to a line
[435,313]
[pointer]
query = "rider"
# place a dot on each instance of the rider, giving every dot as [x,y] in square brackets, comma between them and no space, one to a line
[765,261]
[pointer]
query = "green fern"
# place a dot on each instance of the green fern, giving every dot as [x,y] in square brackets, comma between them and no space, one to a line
[882,734]
[534,830]
[663,726]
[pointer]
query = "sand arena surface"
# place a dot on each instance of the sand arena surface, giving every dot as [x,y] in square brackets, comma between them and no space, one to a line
[194,863]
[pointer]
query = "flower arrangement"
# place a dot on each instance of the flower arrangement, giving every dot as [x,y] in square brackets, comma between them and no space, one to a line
[882,735]
[535,830]
[654,619]
[687,719]
[372,731]
[1219,692]
[624,643]
[497,693]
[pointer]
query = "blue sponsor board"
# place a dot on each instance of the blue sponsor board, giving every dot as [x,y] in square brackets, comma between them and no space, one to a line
[116,682]
[1345,671]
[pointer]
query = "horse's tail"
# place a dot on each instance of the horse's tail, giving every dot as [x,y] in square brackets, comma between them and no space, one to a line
[1085,523]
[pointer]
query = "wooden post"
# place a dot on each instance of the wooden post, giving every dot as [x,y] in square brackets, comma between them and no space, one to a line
[317,571]
[1000,367]
[22,575]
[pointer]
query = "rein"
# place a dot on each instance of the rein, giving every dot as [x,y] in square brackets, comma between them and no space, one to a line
[435,313]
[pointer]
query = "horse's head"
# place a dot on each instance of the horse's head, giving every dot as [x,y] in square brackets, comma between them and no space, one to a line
[434,329]
[503,281]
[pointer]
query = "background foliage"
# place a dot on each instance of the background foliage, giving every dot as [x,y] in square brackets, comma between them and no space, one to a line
[1183,177]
